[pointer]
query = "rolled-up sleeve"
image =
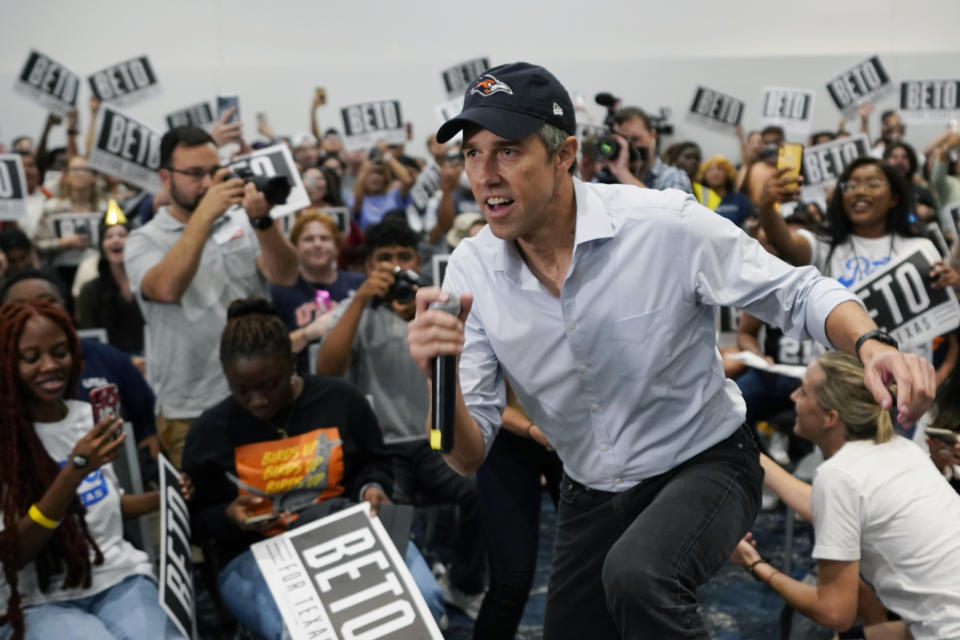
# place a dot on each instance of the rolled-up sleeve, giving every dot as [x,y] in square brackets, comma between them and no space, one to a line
[481,377]
[729,268]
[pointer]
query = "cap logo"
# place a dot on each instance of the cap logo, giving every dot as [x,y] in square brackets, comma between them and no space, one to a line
[488,85]
[557,109]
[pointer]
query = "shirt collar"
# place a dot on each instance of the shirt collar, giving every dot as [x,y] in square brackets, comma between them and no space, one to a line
[593,223]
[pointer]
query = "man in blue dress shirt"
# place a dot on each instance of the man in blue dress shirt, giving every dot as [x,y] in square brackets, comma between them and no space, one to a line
[596,303]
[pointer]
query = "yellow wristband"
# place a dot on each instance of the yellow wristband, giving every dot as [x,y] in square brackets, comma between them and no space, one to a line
[41,519]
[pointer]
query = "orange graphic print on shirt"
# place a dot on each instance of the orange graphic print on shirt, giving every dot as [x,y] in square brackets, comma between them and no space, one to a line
[294,472]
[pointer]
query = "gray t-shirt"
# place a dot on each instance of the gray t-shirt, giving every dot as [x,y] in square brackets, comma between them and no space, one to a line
[382,369]
[184,338]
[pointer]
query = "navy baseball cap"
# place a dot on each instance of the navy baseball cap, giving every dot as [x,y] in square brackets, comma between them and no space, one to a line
[513,100]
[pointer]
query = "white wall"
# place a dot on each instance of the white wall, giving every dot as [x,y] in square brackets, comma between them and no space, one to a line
[652,53]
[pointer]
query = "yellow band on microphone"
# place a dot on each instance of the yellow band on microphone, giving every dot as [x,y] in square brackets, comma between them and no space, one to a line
[42,520]
[435,443]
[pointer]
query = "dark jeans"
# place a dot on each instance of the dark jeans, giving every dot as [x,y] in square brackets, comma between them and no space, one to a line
[766,394]
[421,477]
[510,497]
[627,565]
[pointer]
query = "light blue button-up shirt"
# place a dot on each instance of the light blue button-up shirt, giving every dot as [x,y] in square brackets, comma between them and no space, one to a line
[622,371]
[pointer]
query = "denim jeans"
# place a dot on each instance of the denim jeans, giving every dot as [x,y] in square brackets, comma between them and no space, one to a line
[126,611]
[510,498]
[627,565]
[245,592]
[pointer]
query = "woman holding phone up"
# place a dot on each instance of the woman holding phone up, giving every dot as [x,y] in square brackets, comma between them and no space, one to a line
[67,571]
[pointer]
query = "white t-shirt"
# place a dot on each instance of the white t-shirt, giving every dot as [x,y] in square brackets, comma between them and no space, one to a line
[859,258]
[100,495]
[887,506]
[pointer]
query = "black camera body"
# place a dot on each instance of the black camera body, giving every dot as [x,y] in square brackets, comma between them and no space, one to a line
[404,289]
[609,147]
[275,189]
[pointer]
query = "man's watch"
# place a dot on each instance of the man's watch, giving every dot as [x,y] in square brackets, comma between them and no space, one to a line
[875,334]
[262,223]
[80,461]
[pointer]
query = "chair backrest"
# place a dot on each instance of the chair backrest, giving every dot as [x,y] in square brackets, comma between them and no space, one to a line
[127,468]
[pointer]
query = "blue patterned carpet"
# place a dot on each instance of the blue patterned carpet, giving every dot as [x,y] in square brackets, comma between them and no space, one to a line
[735,606]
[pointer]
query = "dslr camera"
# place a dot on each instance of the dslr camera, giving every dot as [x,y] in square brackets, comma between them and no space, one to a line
[275,189]
[404,288]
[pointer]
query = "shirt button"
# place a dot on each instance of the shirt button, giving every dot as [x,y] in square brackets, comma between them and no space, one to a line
[583,368]
[604,447]
[594,407]
[573,325]
[617,480]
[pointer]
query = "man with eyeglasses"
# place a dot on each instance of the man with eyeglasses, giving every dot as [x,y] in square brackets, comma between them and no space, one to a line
[187,264]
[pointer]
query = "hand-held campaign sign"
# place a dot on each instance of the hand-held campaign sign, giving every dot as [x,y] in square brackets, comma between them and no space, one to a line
[276,161]
[902,303]
[366,123]
[716,109]
[340,215]
[125,82]
[176,561]
[48,83]
[825,162]
[791,109]
[341,578]
[126,149]
[923,101]
[459,76]
[866,81]
[197,115]
[13,187]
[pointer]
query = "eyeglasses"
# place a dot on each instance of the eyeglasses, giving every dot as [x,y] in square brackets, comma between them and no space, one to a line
[871,185]
[197,173]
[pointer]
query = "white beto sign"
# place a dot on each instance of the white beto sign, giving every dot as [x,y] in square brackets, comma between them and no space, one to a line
[13,187]
[716,109]
[125,82]
[341,578]
[367,123]
[825,162]
[458,77]
[276,161]
[176,561]
[791,109]
[196,115]
[866,81]
[48,83]
[125,148]
[902,303]
[924,101]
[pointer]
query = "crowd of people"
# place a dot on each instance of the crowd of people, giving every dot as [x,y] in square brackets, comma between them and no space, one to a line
[227,337]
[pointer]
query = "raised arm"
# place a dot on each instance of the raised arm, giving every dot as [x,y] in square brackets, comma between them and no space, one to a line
[791,246]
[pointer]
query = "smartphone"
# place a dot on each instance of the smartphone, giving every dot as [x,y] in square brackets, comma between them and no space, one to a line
[944,435]
[261,117]
[263,517]
[321,95]
[105,401]
[224,103]
[790,156]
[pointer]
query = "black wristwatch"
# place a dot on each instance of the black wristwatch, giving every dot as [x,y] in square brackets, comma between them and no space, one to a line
[80,461]
[262,223]
[875,334]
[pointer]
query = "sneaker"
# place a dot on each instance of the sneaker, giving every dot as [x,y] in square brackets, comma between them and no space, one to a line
[468,603]
[778,448]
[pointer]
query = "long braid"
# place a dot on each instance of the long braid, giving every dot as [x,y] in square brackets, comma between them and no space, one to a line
[253,329]
[27,470]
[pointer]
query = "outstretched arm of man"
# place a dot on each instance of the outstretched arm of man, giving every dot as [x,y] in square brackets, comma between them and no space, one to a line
[915,377]
[431,333]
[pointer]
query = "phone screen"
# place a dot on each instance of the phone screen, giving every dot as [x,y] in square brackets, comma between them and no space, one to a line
[224,103]
[105,402]
[790,156]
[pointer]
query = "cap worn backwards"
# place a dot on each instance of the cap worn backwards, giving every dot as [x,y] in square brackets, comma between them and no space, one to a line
[513,100]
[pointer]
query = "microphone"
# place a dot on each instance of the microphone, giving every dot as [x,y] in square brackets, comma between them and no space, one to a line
[444,378]
[605,99]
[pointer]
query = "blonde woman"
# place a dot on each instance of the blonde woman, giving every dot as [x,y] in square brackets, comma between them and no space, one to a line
[880,510]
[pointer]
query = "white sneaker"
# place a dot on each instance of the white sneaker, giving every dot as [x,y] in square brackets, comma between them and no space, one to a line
[778,447]
[468,603]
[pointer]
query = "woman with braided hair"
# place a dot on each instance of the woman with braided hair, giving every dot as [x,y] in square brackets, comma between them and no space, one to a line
[67,572]
[880,510]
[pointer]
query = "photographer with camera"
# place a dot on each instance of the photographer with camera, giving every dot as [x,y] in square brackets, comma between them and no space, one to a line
[188,263]
[368,345]
[634,160]
[382,185]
